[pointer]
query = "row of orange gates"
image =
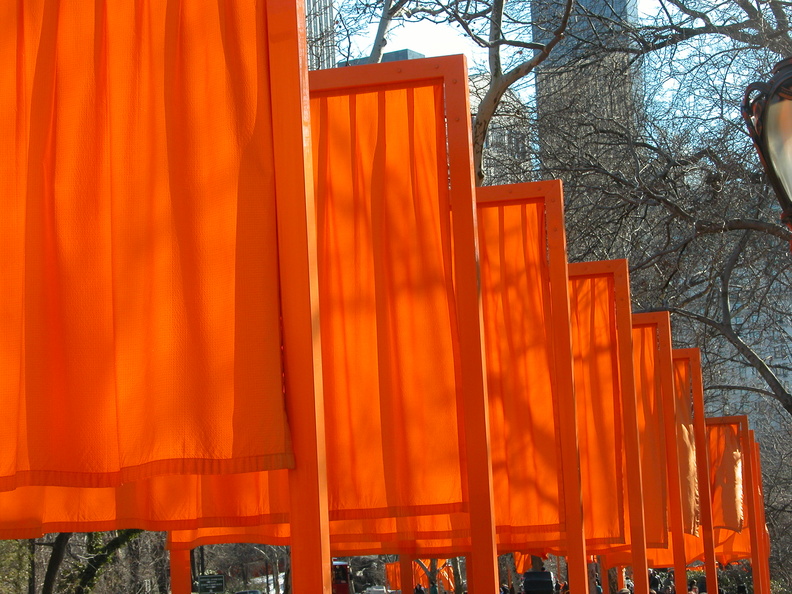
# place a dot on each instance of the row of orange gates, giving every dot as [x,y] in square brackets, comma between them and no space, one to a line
[242,303]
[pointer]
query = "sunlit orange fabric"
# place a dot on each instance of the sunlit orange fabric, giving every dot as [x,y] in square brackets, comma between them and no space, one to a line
[522,562]
[384,280]
[594,344]
[157,503]
[445,575]
[139,302]
[686,446]
[388,324]
[726,475]
[650,426]
[516,295]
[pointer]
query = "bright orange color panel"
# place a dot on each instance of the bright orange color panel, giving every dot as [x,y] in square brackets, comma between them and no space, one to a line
[517,298]
[597,392]
[139,283]
[444,573]
[385,279]
[726,475]
[391,454]
[686,445]
[648,378]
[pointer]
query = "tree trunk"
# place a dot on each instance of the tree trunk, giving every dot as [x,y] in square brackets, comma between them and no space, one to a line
[458,589]
[32,569]
[55,560]
[91,572]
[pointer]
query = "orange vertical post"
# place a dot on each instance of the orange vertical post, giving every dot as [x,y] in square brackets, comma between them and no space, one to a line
[676,520]
[310,538]
[604,565]
[180,573]
[483,576]
[763,556]
[752,519]
[632,440]
[406,574]
[702,469]
[620,581]
[577,559]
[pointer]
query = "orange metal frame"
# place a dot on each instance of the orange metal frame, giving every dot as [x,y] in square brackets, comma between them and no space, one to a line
[452,72]
[662,323]
[741,423]
[552,194]
[693,356]
[623,309]
[310,533]
[763,554]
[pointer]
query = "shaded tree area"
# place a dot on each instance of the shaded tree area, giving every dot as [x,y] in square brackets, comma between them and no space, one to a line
[77,563]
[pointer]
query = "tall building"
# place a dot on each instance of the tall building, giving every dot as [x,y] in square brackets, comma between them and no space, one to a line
[320,34]
[586,95]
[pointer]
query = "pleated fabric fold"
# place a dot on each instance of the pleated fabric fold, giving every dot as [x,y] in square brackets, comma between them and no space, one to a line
[726,475]
[686,445]
[138,248]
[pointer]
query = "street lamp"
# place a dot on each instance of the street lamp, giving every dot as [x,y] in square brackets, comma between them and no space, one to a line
[767,111]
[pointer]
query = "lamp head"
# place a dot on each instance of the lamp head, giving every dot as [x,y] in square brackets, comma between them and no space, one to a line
[767,111]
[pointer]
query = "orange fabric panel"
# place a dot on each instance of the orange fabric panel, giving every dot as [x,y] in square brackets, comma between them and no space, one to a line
[520,350]
[393,576]
[524,412]
[385,278]
[726,475]
[444,574]
[686,446]
[138,254]
[650,426]
[522,562]
[595,353]
[158,503]
[381,414]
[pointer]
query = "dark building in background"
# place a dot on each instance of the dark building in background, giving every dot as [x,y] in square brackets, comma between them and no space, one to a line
[320,34]
[588,94]
[394,56]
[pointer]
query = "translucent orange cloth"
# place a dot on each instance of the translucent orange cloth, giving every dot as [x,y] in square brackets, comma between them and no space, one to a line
[648,371]
[597,392]
[726,483]
[686,446]
[158,503]
[386,295]
[517,299]
[513,264]
[139,302]
[726,475]
[444,573]
[384,280]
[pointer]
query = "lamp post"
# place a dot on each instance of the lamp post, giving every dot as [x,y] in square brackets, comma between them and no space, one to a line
[767,111]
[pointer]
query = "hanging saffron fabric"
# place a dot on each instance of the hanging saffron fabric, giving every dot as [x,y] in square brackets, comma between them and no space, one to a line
[158,503]
[726,474]
[649,373]
[523,362]
[384,280]
[597,388]
[138,255]
[362,445]
[445,575]
[686,445]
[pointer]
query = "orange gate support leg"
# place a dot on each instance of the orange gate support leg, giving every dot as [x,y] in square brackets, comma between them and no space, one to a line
[180,573]
[310,532]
